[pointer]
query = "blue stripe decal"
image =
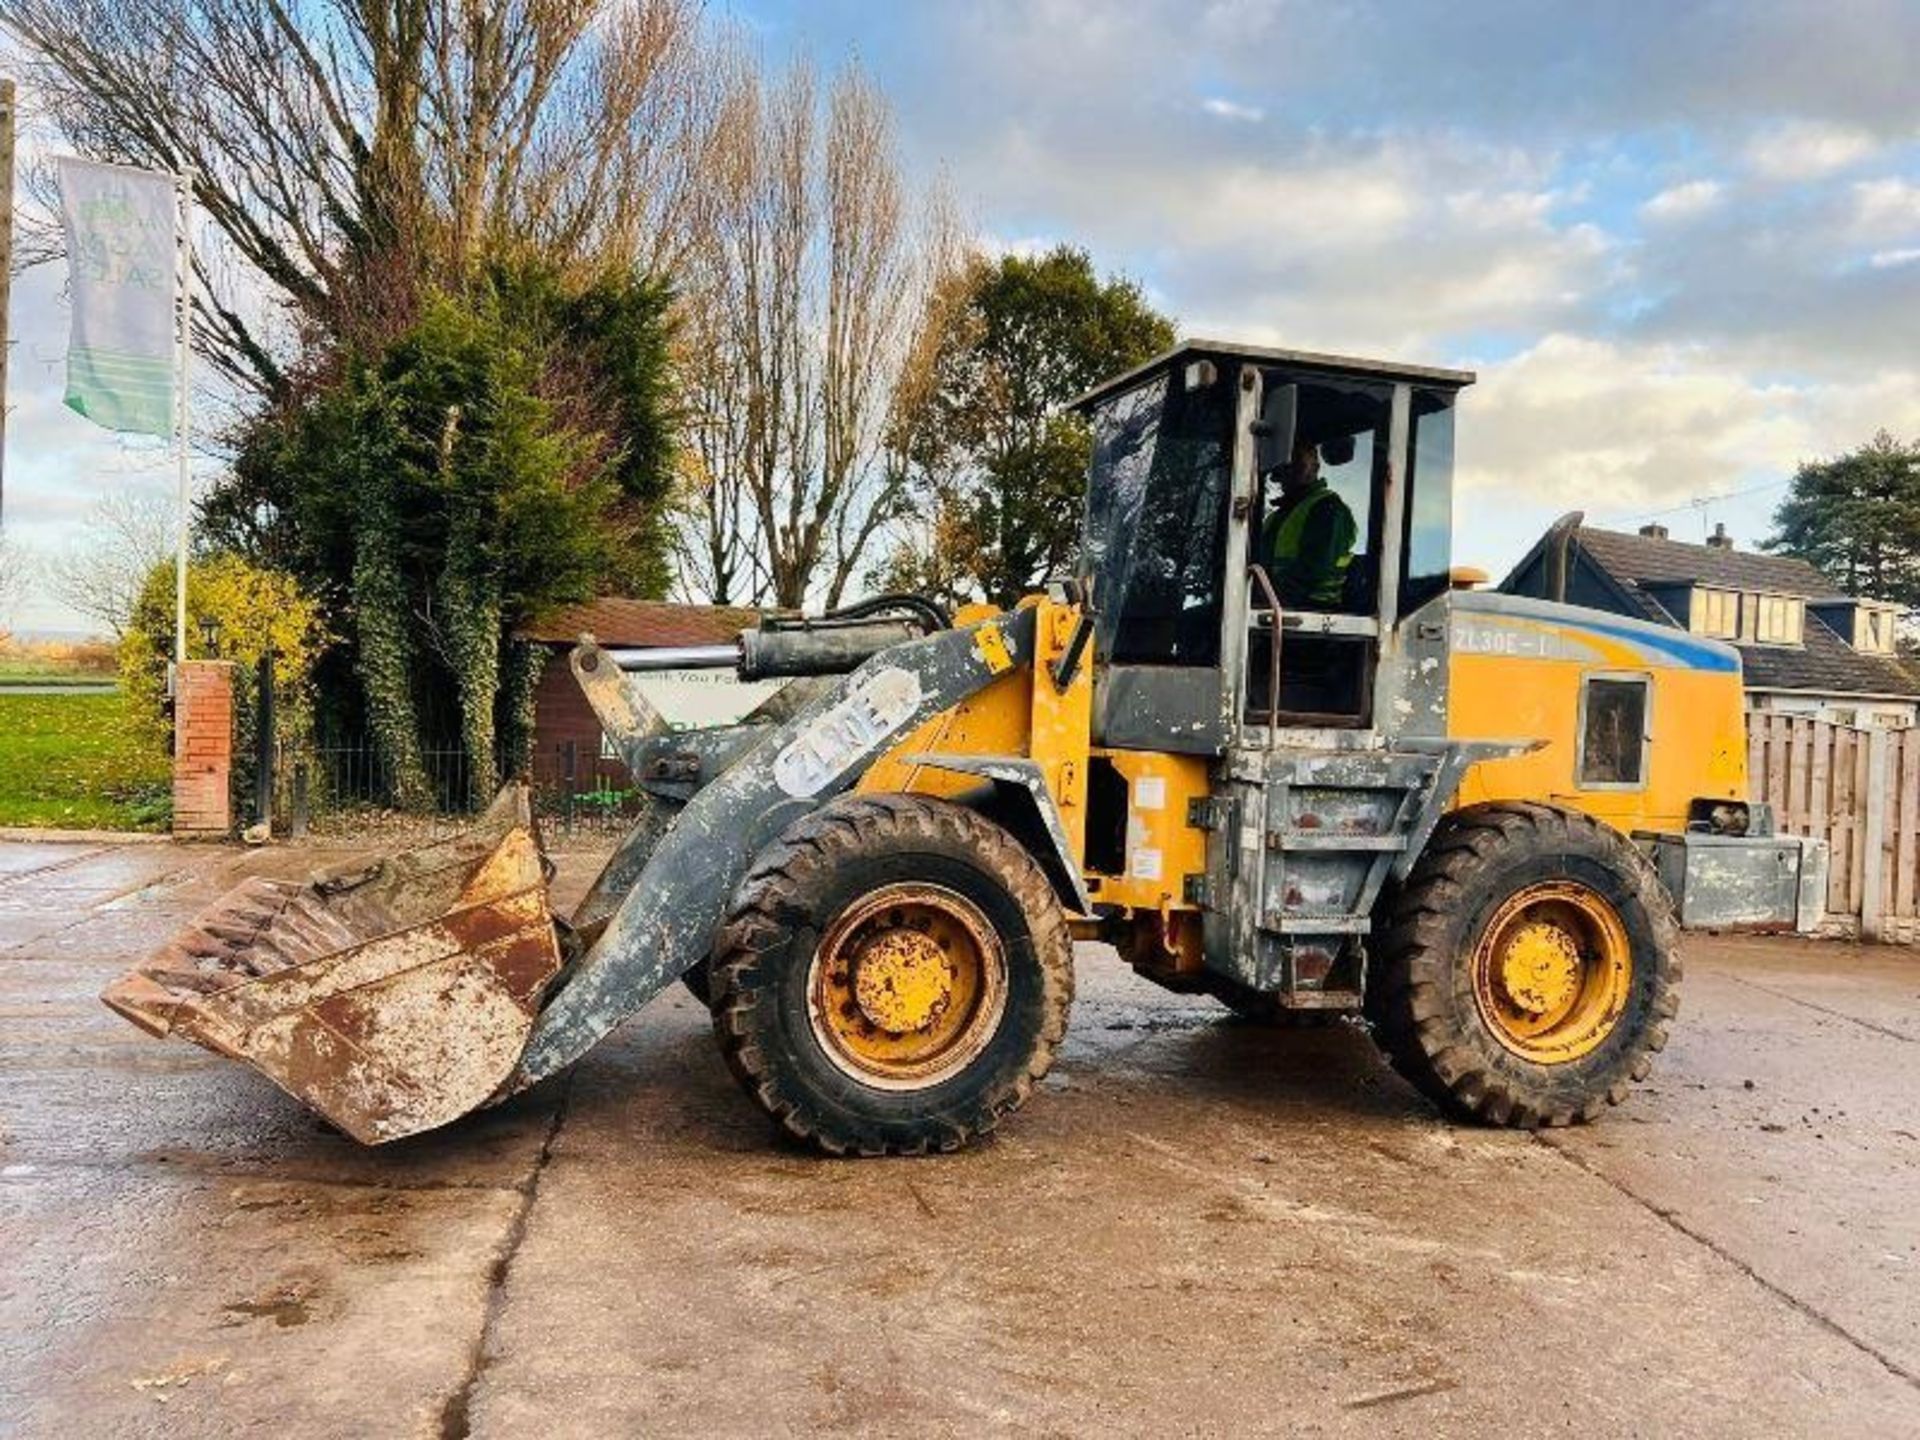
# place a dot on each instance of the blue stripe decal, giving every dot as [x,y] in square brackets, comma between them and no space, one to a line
[1694,654]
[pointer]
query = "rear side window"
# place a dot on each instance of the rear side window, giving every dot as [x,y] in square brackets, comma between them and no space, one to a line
[1613,732]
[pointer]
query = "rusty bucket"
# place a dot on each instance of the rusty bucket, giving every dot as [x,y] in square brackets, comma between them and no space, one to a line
[392,996]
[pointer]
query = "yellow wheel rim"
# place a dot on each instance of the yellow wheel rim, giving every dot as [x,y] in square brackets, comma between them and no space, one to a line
[907,986]
[1552,972]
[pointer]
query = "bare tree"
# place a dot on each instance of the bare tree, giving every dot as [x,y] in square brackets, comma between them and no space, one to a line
[344,148]
[13,579]
[715,556]
[803,286]
[129,533]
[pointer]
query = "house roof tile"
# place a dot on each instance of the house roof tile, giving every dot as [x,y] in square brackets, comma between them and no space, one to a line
[1822,663]
[1646,559]
[1825,662]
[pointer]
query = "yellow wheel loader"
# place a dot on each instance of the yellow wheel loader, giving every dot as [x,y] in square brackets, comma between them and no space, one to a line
[1469,817]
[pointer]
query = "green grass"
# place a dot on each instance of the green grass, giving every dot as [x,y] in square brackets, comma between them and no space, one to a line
[33,670]
[70,760]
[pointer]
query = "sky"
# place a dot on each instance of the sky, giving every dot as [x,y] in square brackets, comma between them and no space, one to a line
[1680,244]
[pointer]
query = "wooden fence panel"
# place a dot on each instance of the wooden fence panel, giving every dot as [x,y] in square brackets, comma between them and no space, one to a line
[1820,809]
[1841,826]
[1861,830]
[1852,788]
[1905,772]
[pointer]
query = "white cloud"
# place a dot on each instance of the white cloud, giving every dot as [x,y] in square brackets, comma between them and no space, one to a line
[1807,150]
[1885,207]
[1298,207]
[1414,188]
[1683,202]
[1364,243]
[1223,109]
[1624,426]
[1027,247]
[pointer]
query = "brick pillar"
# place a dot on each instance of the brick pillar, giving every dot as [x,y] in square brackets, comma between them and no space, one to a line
[203,749]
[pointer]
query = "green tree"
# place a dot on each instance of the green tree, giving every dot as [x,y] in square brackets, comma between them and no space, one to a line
[1856,519]
[504,455]
[999,463]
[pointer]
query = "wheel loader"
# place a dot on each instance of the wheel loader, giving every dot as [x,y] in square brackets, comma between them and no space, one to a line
[1471,818]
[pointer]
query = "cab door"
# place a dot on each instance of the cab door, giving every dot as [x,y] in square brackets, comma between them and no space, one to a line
[1158,535]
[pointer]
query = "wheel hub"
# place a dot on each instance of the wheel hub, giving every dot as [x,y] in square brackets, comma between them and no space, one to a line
[1540,971]
[907,985]
[903,981]
[1552,971]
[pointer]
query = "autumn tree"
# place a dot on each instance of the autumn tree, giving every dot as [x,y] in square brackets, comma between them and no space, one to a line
[996,464]
[235,611]
[1856,519]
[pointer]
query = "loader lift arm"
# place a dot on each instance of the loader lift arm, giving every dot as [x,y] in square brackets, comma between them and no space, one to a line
[666,921]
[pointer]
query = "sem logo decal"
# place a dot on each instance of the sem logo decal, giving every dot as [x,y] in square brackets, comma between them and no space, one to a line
[828,747]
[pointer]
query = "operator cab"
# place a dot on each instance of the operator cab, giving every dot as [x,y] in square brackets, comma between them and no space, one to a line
[1257,521]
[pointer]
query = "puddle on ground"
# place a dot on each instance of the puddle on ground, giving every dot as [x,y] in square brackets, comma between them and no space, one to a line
[287,1305]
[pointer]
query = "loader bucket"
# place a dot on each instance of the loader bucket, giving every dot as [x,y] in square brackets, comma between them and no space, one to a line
[391,996]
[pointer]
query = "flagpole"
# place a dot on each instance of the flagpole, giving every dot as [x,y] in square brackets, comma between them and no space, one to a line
[182,420]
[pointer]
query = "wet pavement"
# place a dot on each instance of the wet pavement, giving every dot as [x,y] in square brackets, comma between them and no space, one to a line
[1197,1227]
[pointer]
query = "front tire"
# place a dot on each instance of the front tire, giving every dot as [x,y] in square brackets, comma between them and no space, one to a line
[1528,967]
[893,977]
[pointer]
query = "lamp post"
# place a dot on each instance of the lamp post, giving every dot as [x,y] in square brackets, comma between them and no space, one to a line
[210,636]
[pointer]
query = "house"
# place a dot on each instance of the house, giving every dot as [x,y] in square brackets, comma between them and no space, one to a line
[562,717]
[1805,649]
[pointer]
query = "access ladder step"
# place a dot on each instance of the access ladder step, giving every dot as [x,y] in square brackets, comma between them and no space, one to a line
[1331,840]
[1298,922]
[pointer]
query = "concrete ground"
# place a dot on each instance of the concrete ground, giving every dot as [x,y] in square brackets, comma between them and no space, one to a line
[1196,1227]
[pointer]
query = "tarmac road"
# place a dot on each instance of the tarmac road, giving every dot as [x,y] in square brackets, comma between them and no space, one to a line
[1198,1227]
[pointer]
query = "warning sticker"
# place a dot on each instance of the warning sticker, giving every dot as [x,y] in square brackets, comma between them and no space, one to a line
[990,644]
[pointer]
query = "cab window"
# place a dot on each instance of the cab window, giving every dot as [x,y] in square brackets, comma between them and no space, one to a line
[1339,440]
[1428,552]
[1613,732]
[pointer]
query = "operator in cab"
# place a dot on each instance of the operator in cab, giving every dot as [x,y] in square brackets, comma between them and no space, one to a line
[1309,537]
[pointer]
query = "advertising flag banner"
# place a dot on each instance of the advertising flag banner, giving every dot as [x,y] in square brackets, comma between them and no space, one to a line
[122,256]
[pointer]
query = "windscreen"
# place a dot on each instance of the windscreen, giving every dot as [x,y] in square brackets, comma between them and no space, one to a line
[1155,535]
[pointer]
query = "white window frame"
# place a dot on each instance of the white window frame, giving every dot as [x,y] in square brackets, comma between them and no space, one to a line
[1874,630]
[1792,612]
[1703,595]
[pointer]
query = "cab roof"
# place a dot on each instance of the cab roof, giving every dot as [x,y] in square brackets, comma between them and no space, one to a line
[1310,360]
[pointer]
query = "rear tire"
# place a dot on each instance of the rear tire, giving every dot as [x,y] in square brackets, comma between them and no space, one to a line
[893,977]
[1528,967]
